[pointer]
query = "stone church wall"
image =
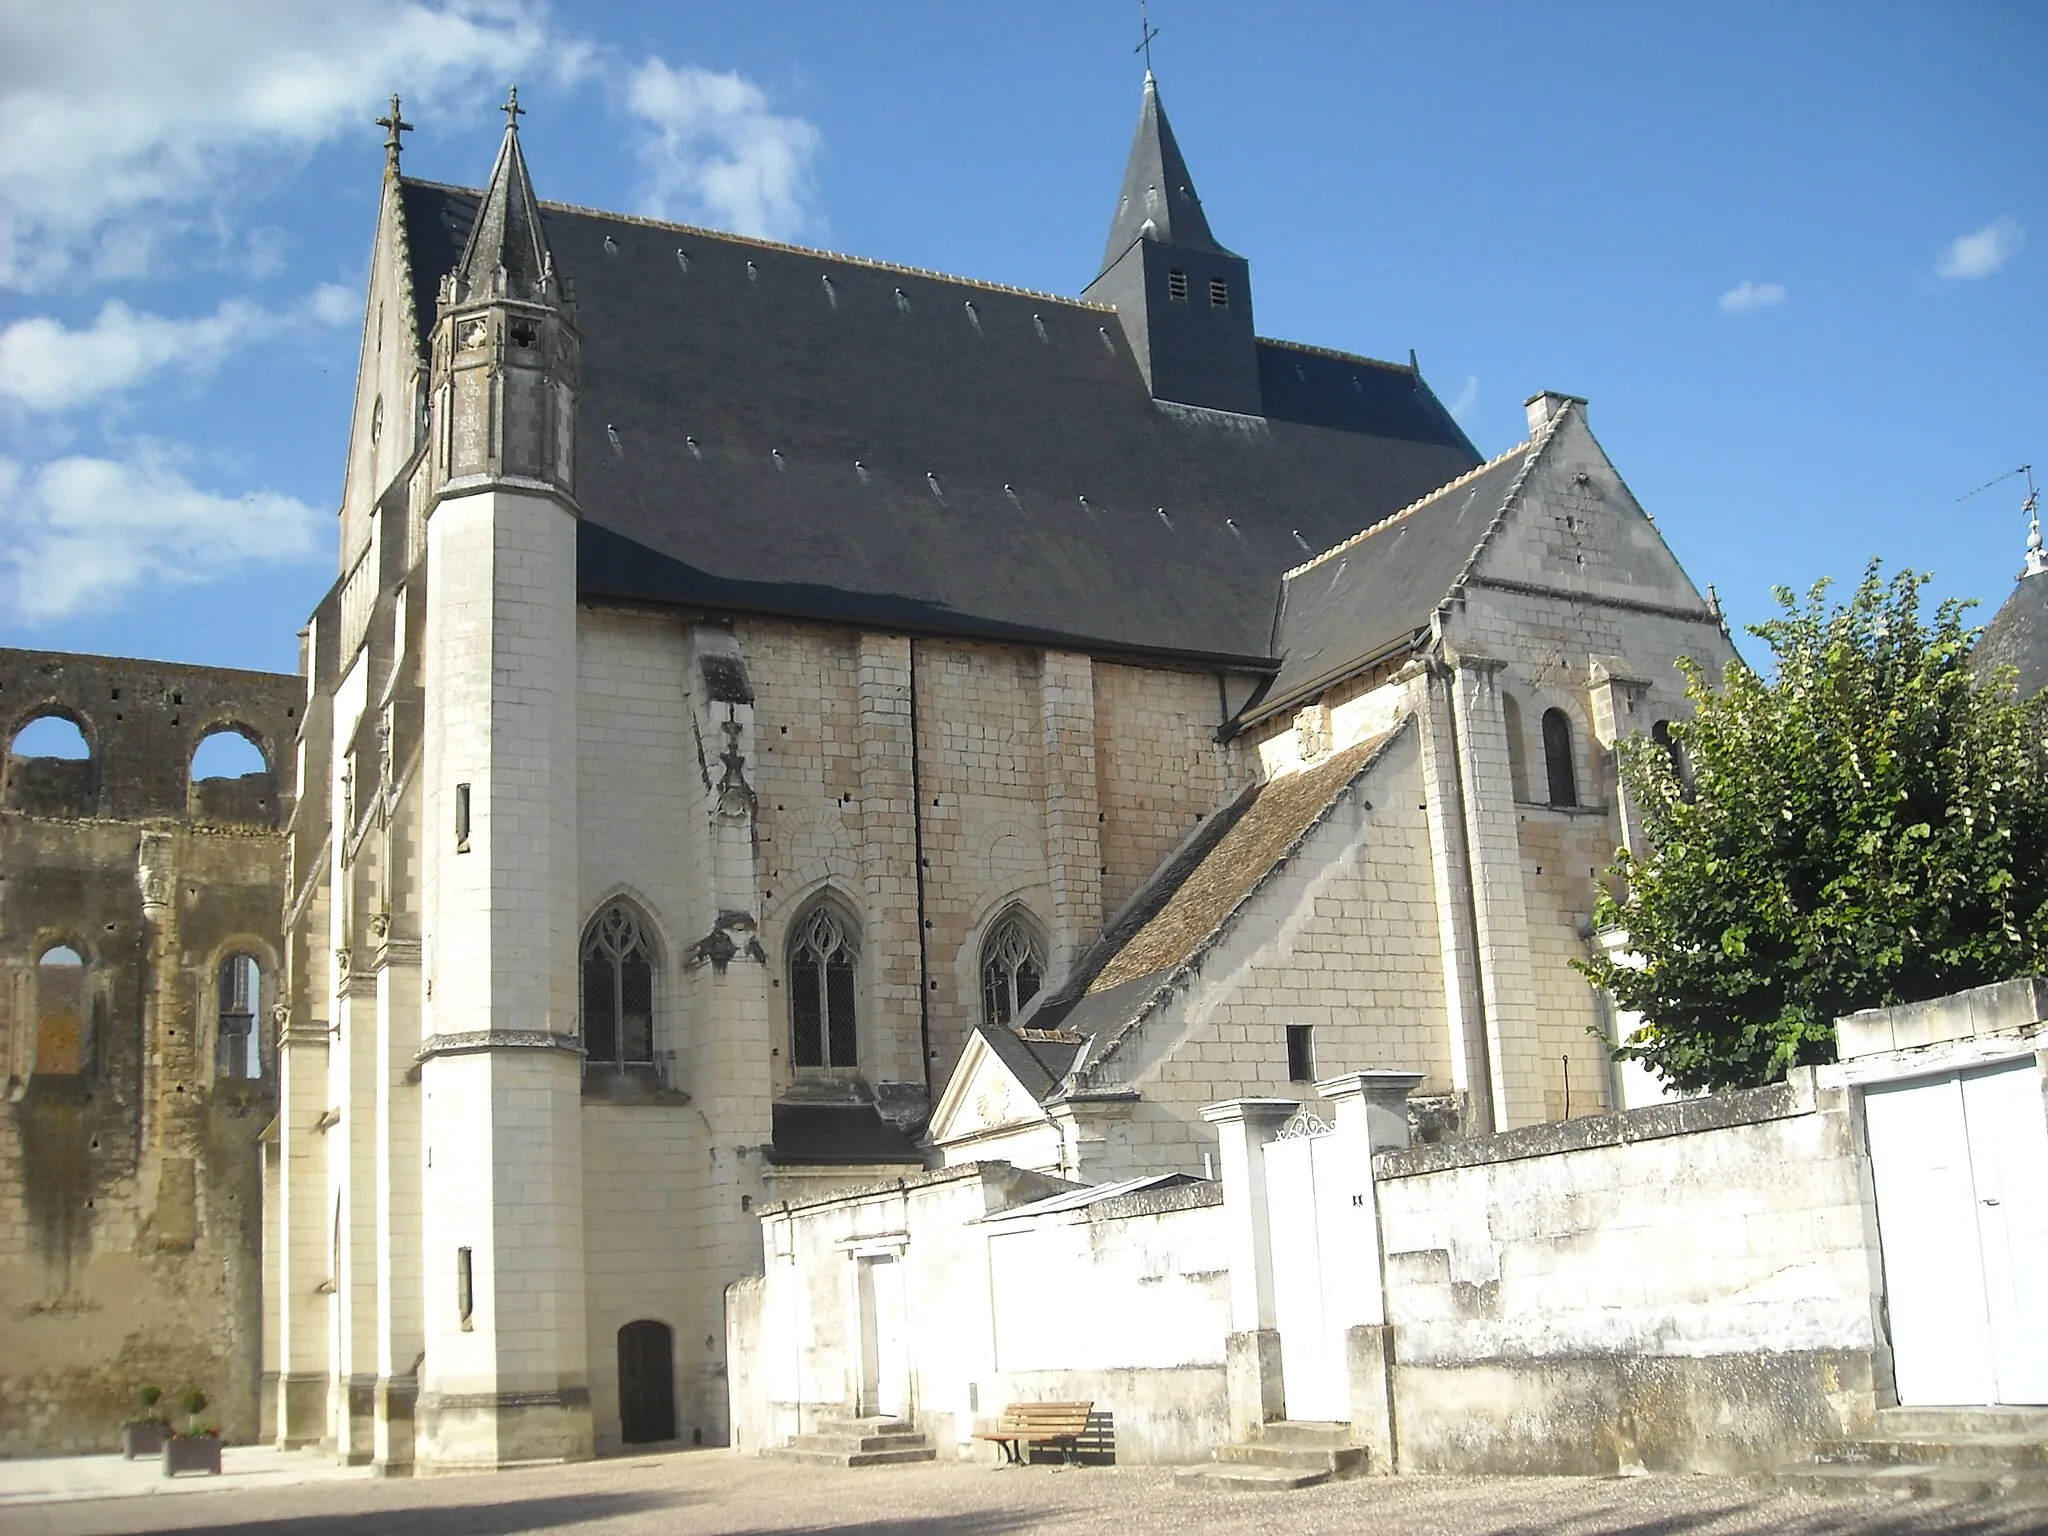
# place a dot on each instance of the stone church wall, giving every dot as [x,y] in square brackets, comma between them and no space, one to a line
[130,1173]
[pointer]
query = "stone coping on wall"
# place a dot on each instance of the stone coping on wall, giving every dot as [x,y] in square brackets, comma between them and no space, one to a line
[2005,1007]
[1159,1201]
[1797,1095]
[1019,1183]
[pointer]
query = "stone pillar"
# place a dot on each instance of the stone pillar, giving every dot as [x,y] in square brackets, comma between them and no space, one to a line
[400,1338]
[893,1047]
[1372,1116]
[1451,872]
[1500,909]
[300,1232]
[1073,833]
[736,1022]
[1252,1358]
[1617,697]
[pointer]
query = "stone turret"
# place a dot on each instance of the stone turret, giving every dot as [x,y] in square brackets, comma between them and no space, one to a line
[505,1377]
[505,345]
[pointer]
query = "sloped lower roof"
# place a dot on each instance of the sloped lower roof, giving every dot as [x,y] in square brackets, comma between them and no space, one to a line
[1194,897]
[827,1134]
[2017,637]
[769,429]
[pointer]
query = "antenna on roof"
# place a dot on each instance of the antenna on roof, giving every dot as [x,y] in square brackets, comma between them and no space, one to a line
[2037,556]
[1146,32]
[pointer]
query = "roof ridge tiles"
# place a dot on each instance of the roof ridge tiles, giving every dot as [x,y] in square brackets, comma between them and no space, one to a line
[783,245]
[1414,506]
[1538,442]
[1332,352]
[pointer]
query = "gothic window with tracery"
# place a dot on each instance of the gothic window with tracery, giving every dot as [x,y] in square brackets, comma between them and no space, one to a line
[618,989]
[1012,969]
[824,951]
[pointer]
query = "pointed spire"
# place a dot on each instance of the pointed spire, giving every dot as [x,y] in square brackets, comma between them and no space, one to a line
[1158,200]
[507,237]
[2037,557]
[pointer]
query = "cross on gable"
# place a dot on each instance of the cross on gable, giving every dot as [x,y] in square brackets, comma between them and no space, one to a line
[395,126]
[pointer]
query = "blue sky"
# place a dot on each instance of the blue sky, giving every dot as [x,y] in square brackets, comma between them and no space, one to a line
[1793,254]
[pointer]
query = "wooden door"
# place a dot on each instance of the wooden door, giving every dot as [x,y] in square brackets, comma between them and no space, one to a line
[647,1382]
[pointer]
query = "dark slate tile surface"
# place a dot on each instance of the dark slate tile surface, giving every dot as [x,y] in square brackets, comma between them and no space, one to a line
[2017,637]
[744,389]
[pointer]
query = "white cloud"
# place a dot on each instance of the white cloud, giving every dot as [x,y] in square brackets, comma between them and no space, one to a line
[47,366]
[119,116]
[1982,251]
[1468,396]
[714,154]
[1745,297]
[84,532]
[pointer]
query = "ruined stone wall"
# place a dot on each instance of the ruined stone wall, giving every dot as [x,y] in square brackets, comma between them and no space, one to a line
[130,1173]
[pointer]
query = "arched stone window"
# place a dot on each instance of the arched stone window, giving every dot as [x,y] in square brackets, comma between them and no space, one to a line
[618,988]
[50,768]
[60,1012]
[1012,967]
[1674,749]
[1557,758]
[824,959]
[238,1048]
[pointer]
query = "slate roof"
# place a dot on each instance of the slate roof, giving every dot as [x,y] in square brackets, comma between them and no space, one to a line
[2017,637]
[1374,593]
[775,430]
[1194,897]
[829,1134]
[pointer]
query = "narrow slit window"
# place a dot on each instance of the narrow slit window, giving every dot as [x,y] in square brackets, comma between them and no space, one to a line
[1219,293]
[462,818]
[1301,1053]
[1557,758]
[1177,285]
[465,1290]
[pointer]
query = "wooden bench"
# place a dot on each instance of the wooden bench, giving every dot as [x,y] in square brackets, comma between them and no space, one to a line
[1028,1424]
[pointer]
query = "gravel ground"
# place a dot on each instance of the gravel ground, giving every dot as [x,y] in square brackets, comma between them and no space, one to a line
[705,1492]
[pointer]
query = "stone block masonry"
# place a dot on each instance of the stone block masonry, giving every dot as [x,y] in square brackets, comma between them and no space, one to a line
[130,1168]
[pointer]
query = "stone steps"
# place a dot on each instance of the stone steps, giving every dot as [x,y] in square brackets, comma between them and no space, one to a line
[1280,1456]
[843,1442]
[1933,1453]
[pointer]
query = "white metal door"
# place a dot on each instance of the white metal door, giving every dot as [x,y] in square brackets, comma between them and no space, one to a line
[1959,1164]
[884,1359]
[1313,1370]
[2009,1167]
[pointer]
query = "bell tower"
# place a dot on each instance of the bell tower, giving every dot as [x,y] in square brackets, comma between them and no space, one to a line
[1185,302]
[505,1376]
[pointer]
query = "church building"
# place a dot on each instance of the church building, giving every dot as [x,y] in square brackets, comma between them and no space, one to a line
[784,719]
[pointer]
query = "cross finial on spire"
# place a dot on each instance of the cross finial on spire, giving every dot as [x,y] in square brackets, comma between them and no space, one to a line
[395,126]
[1146,32]
[512,110]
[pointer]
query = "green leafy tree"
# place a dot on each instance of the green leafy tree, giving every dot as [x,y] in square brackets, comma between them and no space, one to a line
[1868,825]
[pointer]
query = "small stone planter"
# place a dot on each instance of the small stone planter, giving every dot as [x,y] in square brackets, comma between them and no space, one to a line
[142,1441]
[192,1453]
